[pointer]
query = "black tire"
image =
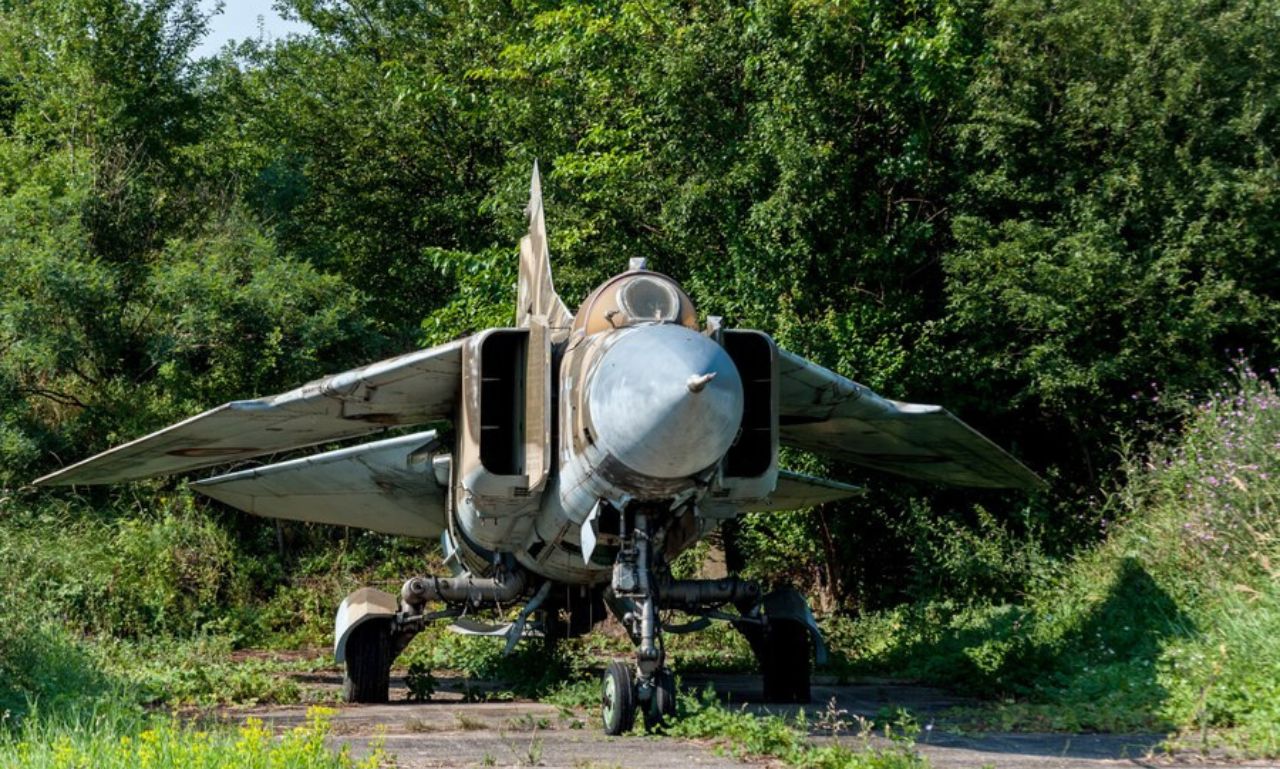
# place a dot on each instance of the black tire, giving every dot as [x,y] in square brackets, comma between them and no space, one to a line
[368,675]
[784,664]
[662,707]
[618,699]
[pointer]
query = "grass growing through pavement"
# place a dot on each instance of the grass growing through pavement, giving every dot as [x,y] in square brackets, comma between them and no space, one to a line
[745,735]
[1173,622]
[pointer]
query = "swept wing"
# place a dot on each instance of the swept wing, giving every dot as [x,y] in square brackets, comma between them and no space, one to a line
[823,412]
[410,389]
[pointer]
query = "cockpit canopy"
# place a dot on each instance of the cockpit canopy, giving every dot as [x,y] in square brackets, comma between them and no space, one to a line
[632,298]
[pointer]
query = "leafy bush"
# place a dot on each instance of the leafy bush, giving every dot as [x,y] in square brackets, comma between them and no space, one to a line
[718,648]
[978,559]
[420,682]
[531,670]
[171,570]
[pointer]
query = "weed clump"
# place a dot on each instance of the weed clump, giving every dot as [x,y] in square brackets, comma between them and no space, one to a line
[702,716]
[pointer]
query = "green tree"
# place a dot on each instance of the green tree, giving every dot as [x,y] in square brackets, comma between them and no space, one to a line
[1117,231]
[370,145]
[135,291]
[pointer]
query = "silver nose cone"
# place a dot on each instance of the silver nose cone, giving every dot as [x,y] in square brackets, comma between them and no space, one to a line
[665,401]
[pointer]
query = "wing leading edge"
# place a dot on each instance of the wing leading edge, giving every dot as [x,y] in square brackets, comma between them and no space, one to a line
[823,412]
[410,389]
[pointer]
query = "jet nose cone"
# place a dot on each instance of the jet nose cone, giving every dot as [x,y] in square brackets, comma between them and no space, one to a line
[665,401]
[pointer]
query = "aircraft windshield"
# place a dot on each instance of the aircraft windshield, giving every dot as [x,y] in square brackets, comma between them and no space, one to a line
[646,299]
[637,296]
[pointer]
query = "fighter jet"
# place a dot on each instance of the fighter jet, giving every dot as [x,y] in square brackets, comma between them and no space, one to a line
[586,450]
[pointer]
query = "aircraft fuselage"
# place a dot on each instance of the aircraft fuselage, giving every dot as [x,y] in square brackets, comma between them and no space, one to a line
[645,407]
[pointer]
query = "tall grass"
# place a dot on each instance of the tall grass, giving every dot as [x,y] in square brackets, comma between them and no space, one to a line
[82,589]
[106,610]
[1210,518]
[1172,622]
[170,569]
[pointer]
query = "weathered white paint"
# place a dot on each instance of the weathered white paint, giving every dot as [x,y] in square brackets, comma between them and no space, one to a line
[828,414]
[411,389]
[643,411]
[388,486]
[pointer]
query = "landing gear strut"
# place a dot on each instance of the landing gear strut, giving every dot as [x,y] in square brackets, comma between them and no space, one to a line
[634,596]
[779,626]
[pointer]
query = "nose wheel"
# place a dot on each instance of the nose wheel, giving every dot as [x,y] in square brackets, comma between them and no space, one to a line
[661,709]
[618,699]
[648,686]
[622,695]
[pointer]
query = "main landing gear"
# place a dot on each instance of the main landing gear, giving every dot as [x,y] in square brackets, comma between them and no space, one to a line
[373,627]
[367,676]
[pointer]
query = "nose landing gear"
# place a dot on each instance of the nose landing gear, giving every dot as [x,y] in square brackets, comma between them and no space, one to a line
[623,695]
[661,708]
[634,596]
[779,627]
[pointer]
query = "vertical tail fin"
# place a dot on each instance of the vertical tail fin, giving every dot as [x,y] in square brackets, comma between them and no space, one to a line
[537,294]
